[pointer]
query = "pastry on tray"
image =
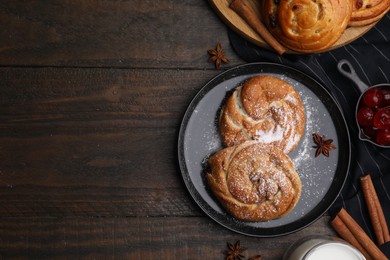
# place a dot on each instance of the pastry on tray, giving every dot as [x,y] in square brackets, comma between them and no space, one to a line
[266,109]
[365,12]
[306,26]
[254,182]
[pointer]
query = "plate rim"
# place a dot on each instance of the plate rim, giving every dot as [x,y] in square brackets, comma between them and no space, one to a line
[204,206]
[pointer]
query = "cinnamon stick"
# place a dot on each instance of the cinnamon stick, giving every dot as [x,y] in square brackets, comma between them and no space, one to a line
[375,210]
[382,219]
[346,234]
[364,240]
[371,208]
[240,7]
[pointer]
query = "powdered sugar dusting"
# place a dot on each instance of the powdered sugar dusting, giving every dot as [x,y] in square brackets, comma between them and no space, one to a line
[304,152]
[291,99]
[276,134]
[311,170]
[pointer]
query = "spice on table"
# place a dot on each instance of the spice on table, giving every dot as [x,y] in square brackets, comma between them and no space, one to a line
[375,210]
[217,56]
[234,252]
[323,145]
[343,223]
[343,231]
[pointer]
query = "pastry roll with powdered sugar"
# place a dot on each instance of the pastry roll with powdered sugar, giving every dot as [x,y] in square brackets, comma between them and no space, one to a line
[254,182]
[266,109]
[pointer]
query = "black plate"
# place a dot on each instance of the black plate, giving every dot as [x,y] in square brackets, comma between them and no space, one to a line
[322,177]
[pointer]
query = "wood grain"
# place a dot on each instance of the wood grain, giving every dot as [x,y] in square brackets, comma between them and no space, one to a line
[235,22]
[134,238]
[79,138]
[92,94]
[135,34]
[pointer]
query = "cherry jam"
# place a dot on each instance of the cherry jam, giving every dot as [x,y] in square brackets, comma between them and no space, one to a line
[373,115]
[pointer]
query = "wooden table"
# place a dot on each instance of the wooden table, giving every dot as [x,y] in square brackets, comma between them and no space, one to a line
[92,94]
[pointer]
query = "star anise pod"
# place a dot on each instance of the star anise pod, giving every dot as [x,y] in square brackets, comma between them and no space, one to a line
[256,257]
[234,252]
[323,145]
[217,56]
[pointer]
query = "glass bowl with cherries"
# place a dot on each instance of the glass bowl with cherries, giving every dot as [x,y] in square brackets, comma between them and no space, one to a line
[372,109]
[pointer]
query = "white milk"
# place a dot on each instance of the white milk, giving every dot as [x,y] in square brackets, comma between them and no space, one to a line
[333,251]
[322,248]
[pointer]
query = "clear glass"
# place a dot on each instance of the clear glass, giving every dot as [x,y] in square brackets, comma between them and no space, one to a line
[322,247]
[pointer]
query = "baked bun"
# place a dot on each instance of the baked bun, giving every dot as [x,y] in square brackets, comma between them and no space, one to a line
[265,109]
[365,12]
[254,182]
[306,26]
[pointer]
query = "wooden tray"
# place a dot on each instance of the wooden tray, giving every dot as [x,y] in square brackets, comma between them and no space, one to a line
[237,24]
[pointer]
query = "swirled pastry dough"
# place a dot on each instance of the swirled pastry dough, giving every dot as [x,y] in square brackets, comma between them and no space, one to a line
[254,182]
[266,109]
[365,12]
[306,26]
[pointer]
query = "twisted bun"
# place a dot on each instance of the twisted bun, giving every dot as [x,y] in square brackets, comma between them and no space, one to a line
[265,109]
[307,26]
[254,182]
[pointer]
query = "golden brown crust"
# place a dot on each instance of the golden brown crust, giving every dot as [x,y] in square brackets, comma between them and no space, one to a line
[254,182]
[265,109]
[365,9]
[307,26]
[365,12]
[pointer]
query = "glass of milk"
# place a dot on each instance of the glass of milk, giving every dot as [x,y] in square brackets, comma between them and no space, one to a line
[322,248]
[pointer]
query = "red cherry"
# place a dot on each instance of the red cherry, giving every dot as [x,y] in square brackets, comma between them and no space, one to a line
[372,97]
[365,116]
[382,118]
[383,137]
[385,92]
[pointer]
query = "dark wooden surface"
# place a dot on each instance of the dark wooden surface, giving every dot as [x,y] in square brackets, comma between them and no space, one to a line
[91,97]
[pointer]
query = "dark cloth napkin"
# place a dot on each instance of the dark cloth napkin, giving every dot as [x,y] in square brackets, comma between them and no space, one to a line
[370,57]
